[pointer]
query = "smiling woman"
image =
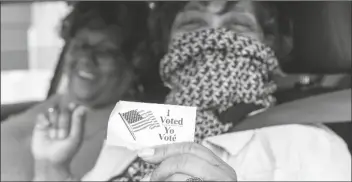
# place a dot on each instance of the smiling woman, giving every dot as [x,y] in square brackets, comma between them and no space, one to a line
[96,66]
[99,46]
[100,38]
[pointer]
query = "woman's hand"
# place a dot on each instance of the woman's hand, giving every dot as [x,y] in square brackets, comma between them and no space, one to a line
[56,138]
[182,161]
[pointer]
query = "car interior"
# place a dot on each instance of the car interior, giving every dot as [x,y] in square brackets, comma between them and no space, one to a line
[318,86]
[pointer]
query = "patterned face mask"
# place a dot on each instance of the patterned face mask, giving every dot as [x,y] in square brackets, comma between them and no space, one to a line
[214,69]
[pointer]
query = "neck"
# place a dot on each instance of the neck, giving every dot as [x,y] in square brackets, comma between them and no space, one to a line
[69,97]
[97,117]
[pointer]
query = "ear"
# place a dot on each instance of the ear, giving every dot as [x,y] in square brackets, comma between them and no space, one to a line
[286,46]
[128,79]
[130,85]
[125,83]
[141,56]
[282,45]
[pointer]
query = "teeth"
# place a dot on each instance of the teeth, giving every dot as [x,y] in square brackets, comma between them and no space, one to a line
[86,75]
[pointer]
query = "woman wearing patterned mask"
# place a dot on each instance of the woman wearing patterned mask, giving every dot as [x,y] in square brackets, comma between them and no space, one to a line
[101,38]
[219,57]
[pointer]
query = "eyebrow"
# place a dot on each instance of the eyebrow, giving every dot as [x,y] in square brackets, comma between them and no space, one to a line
[186,17]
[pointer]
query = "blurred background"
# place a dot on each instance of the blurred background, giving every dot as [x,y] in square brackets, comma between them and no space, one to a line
[30,48]
[32,64]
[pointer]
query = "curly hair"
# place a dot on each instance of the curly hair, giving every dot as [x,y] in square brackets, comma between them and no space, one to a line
[130,17]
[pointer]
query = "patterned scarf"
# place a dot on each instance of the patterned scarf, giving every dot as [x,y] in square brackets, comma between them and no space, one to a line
[213,69]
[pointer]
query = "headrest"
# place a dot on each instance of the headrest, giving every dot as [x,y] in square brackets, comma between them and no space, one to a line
[321,37]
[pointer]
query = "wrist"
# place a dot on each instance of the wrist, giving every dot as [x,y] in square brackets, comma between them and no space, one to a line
[44,171]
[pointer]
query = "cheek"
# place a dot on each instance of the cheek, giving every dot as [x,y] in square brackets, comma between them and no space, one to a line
[69,62]
[270,41]
[255,35]
[111,79]
[108,70]
[174,34]
[108,64]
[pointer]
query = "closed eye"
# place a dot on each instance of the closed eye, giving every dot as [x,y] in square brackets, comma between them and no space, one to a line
[240,23]
[240,28]
[191,24]
[189,20]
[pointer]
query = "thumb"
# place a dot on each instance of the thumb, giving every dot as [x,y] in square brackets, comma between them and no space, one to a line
[77,122]
[147,177]
[41,126]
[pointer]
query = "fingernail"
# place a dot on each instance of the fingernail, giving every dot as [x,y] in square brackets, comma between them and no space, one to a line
[85,108]
[52,134]
[81,110]
[42,125]
[72,105]
[147,177]
[61,134]
[148,152]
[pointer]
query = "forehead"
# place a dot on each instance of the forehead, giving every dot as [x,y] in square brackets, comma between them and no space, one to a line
[221,7]
[108,36]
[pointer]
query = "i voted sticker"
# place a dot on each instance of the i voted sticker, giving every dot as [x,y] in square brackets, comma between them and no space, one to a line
[136,125]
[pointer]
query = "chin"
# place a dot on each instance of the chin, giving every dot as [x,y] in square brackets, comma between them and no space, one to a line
[91,100]
[90,96]
[83,97]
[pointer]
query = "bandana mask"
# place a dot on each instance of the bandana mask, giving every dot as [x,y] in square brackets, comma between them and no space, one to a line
[214,69]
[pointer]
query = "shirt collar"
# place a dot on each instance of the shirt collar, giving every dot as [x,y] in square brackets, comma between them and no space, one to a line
[230,143]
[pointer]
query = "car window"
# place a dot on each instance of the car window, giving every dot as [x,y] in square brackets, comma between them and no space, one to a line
[30,49]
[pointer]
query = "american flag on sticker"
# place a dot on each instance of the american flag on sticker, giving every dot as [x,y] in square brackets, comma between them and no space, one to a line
[137,120]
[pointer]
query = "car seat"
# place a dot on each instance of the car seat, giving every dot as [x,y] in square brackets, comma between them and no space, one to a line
[322,46]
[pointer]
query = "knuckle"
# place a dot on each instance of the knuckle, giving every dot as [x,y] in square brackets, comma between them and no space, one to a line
[64,119]
[157,173]
[164,151]
[79,114]
[190,148]
[182,161]
[65,114]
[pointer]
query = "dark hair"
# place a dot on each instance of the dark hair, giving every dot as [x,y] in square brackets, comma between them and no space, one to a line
[130,17]
[266,11]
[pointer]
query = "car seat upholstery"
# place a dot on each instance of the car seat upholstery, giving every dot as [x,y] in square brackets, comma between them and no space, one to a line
[321,46]
[322,37]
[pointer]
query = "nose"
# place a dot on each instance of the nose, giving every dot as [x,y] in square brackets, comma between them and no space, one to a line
[215,10]
[86,60]
[215,22]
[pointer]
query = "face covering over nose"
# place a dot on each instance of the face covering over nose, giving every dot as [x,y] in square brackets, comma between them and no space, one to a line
[214,69]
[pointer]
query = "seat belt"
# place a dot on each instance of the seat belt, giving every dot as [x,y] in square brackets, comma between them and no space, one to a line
[334,107]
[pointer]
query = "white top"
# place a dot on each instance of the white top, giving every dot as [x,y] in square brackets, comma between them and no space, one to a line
[286,152]
[278,153]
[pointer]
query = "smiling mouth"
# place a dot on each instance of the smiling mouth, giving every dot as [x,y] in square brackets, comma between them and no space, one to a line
[86,75]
